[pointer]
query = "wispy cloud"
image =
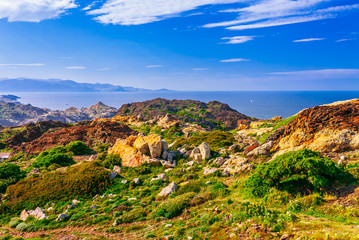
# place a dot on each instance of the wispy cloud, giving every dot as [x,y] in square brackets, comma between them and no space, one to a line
[104,69]
[200,69]
[22,64]
[231,60]
[76,67]
[344,39]
[154,66]
[265,13]
[309,39]
[238,39]
[34,10]
[320,74]
[136,12]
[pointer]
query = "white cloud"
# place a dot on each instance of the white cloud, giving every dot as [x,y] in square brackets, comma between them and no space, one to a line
[234,60]
[76,67]
[309,39]
[33,10]
[271,13]
[320,74]
[154,66]
[136,12]
[200,69]
[104,69]
[238,39]
[344,39]
[22,64]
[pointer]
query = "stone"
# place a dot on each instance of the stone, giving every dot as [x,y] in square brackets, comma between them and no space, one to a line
[168,170]
[50,209]
[234,148]
[154,142]
[343,158]
[205,151]
[236,165]
[93,207]
[162,176]
[130,156]
[167,164]
[261,150]
[33,171]
[132,199]
[220,161]
[124,181]
[172,187]
[208,182]
[72,206]
[37,213]
[164,146]
[115,223]
[117,169]
[168,225]
[154,161]
[113,175]
[24,214]
[75,201]
[61,217]
[136,181]
[168,121]
[141,145]
[277,118]
[209,170]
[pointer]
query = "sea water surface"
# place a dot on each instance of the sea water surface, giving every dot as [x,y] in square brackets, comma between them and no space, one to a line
[262,105]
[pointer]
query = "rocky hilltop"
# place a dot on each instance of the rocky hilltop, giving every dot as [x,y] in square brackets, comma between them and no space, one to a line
[171,169]
[330,128]
[16,114]
[213,115]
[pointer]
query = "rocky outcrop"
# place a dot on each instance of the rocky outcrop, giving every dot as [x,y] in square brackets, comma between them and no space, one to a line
[89,133]
[137,150]
[37,213]
[331,128]
[236,165]
[186,111]
[16,114]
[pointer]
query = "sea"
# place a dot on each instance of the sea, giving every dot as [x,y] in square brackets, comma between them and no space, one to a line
[261,105]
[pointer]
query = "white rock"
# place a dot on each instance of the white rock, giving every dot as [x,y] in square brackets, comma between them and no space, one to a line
[113,175]
[61,217]
[205,151]
[124,181]
[172,187]
[117,169]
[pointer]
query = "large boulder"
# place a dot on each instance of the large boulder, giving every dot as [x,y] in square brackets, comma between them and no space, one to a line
[205,151]
[154,142]
[130,156]
[172,187]
[37,213]
[141,145]
[236,165]
[261,150]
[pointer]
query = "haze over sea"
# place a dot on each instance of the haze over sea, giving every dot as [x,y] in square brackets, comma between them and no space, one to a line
[262,105]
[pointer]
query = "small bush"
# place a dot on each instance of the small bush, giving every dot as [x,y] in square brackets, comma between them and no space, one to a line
[56,155]
[111,160]
[23,227]
[9,174]
[133,215]
[216,140]
[14,223]
[173,207]
[302,171]
[84,180]
[79,148]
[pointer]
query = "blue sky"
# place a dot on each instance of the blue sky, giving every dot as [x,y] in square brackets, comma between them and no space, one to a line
[184,44]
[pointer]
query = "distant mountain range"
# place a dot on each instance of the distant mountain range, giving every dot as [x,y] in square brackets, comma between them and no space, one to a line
[58,85]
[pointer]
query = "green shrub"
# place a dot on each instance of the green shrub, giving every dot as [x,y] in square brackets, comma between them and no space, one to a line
[216,140]
[50,159]
[133,215]
[9,174]
[192,186]
[81,181]
[173,207]
[302,171]
[23,227]
[305,203]
[79,148]
[14,223]
[111,160]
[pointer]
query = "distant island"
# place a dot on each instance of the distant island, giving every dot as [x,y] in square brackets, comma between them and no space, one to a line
[58,85]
